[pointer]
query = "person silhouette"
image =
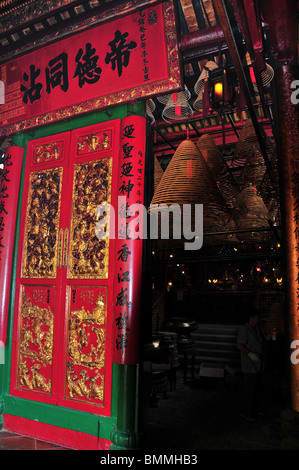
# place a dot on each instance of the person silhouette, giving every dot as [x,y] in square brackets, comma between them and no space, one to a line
[250,343]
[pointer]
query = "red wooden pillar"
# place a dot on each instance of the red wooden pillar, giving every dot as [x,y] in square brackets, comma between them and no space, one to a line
[129,241]
[282,35]
[9,194]
[128,277]
[288,137]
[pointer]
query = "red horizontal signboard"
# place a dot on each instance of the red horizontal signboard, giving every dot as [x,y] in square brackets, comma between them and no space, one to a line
[132,57]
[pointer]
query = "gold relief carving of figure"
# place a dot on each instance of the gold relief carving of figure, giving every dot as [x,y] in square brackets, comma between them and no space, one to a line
[93,143]
[41,237]
[24,377]
[74,389]
[86,350]
[48,152]
[35,345]
[84,337]
[99,351]
[88,254]
[105,143]
[99,310]
[83,385]
[97,391]
[38,381]
[48,346]
[74,353]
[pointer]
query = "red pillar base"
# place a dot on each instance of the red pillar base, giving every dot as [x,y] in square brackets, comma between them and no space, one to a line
[69,438]
[290,430]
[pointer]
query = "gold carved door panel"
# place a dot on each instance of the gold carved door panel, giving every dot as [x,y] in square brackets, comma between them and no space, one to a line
[63,317]
[39,276]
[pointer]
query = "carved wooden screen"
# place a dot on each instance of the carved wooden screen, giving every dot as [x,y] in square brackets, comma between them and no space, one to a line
[63,312]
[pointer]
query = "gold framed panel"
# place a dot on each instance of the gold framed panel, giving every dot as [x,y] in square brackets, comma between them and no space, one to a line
[35,338]
[86,344]
[42,224]
[89,256]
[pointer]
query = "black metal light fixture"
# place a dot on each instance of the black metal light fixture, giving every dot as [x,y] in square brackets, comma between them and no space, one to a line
[221,86]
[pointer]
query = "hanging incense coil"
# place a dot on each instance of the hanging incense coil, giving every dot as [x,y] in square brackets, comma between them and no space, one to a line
[210,65]
[246,144]
[180,94]
[253,170]
[197,105]
[226,183]
[248,154]
[200,89]
[256,173]
[256,217]
[177,107]
[187,180]
[158,173]
[149,109]
[267,75]
[257,210]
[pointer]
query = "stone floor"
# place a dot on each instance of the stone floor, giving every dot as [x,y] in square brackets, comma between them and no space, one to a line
[198,414]
[11,441]
[203,414]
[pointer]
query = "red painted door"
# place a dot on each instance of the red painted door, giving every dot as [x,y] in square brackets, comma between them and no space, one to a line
[63,309]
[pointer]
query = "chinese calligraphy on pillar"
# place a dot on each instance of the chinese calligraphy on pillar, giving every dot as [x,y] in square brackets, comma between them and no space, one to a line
[295,208]
[129,241]
[9,194]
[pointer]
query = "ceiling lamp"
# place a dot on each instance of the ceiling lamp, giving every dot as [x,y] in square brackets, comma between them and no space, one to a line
[222,90]
[217,88]
[149,108]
